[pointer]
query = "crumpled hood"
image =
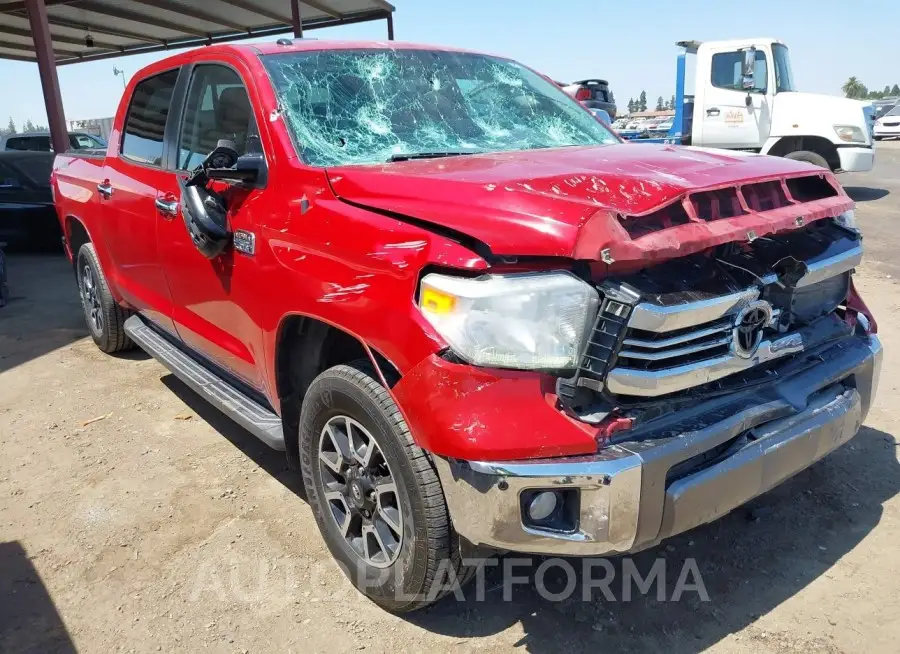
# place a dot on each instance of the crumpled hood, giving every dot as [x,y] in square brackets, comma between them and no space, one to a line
[560,202]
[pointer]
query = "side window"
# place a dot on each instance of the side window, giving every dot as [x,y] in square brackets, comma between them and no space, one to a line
[145,123]
[82,142]
[727,68]
[17,143]
[217,107]
[29,143]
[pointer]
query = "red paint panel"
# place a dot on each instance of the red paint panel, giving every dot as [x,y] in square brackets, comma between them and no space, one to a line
[488,415]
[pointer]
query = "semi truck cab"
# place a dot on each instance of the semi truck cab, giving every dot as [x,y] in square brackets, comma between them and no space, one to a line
[741,95]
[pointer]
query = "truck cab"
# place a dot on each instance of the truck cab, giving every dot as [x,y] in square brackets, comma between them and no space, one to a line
[741,95]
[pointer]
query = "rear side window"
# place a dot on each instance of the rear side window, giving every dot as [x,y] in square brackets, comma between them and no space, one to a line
[32,143]
[145,123]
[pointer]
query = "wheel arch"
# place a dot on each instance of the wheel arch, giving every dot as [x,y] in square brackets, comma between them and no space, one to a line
[305,346]
[784,145]
[77,234]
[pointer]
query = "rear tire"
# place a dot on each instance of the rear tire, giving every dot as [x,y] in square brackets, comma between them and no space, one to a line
[346,405]
[809,157]
[104,317]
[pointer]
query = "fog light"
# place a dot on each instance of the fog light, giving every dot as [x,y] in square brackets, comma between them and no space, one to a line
[542,506]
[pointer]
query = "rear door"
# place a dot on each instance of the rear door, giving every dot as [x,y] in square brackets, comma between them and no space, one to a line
[133,173]
[210,296]
[726,120]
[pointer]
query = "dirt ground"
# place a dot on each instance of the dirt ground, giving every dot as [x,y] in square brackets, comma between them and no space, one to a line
[133,517]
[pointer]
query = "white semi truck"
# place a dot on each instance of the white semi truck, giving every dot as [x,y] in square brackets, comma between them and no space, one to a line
[740,95]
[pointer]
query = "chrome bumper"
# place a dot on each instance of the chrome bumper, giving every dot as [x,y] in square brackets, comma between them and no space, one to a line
[628,498]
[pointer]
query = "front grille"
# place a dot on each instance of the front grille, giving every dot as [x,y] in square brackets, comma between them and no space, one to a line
[645,350]
[694,321]
[605,339]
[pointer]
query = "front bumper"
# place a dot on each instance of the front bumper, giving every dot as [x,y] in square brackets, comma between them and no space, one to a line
[634,494]
[856,160]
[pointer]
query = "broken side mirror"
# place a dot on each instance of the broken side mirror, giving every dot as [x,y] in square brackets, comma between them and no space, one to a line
[205,217]
[247,170]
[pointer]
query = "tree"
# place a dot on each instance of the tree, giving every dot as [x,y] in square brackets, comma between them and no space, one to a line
[853,88]
[29,126]
[642,101]
[672,102]
[895,90]
[887,89]
[11,128]
[631,105]
[660,103]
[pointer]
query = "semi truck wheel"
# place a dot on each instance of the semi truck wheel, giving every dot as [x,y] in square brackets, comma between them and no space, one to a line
[105,318]
[809,157]
[375,495]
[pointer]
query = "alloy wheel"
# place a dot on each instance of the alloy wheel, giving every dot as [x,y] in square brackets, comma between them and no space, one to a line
[90,298]
[360,491]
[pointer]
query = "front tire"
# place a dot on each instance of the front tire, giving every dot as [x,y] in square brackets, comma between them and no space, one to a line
[104,317]
[809,157]
[375,494]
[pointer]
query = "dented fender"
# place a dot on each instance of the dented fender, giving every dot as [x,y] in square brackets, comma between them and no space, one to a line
[477,414]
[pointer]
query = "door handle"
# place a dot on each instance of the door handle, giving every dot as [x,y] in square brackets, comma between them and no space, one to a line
[105,189]
[712,111]
[167,207]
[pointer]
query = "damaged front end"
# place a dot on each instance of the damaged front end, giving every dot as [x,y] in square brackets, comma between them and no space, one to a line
[706,380]
[727,319]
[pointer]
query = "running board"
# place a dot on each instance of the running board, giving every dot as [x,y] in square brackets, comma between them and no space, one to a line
[246,412]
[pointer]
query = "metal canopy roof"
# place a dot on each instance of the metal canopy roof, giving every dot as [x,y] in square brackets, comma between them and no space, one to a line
[120,27]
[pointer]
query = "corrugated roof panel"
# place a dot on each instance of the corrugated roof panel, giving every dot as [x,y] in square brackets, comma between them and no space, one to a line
[130,17]
[120,27]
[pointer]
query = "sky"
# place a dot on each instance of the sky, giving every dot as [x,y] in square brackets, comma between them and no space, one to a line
[631,44]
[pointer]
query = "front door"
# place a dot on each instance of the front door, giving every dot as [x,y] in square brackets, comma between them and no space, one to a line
[727,120]
[131,177]
[209,295]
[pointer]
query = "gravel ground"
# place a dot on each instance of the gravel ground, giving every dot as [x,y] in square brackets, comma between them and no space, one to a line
[133,517]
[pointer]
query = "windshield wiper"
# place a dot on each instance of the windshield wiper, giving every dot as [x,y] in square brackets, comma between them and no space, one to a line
[406,156]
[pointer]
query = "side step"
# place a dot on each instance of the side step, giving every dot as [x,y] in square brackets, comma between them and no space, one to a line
[258,420]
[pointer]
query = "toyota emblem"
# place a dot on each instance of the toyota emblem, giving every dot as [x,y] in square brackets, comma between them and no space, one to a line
[749,326]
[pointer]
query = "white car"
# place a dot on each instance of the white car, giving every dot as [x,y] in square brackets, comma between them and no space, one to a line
[888,125]
[665,125]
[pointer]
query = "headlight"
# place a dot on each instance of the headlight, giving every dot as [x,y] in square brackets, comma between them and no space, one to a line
[524,320]
[847,219]
[850,133]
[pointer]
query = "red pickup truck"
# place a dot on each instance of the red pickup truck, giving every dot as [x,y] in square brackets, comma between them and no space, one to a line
[471,316]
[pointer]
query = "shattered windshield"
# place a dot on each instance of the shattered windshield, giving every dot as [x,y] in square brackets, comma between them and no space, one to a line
[374,105]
